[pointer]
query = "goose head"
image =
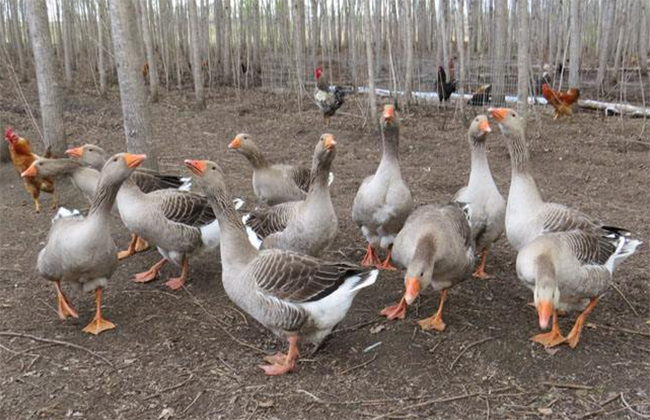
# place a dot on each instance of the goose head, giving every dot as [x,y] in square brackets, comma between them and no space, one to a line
[209,175]
[389,119]
[118,167]
[52,168]
[547,298]
[325,150]
[89,154]
[509,121]
[420,269]
[242,143]
[479,129]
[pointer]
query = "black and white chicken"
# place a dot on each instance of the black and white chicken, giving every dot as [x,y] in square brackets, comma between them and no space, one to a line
[446,88]
[328,98]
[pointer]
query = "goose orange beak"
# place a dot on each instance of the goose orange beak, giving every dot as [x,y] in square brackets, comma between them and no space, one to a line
[329,142]
[133,161]
[30,172]
[498,114]
[389,112]
[196,166]
[77,152]
[484,126]
[544,311]
[235,144]
[412,289]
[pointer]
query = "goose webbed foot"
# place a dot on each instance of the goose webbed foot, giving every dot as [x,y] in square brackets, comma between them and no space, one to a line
[130,250]
[371,259]
[178,282]
[65,308]
[574,335]
[141,245]
[386,265]
[397,311]
[150,274]
[280,363]
[435,322]
[552,338]
[98,324]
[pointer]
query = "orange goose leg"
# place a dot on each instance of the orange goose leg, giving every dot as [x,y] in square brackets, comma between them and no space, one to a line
[280,363]
[371,259]
[65,308]
[130,250]
[574,336]
[552,338]
[151,274]
[178,282]
[386,265]
[98,324]
[397,311]
[480,270]
[435,322]
[141,245]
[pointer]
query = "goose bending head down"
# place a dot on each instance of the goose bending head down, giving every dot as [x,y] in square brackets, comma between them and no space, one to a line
[298,297]
[81,250]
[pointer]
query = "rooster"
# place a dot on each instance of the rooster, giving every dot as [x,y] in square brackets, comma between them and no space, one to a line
[328,98]
[481,96]
[22,157]
[445,88]
[561,101]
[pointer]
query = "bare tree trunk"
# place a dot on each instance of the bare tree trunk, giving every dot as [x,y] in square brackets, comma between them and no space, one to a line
[195,46]
[101,47]
[151,54]
[18,40]
[620,40]
[499,65]
[372,97]
[257,41]
[67,42]
[643,39]
[299,10]
[408,85]
[575,48]
[460,43]
[49,90]
[135,109]
[603,53]
[314,33]
[522,57]
[353,42]
[227,71]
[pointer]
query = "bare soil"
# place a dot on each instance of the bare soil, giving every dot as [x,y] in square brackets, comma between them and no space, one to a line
[192,355]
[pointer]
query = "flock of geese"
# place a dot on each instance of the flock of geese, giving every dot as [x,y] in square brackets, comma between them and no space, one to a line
[270,256]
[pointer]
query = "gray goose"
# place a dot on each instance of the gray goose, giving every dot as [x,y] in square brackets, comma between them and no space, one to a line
[564,256]
[179,223]
[383,201]
[296,296]
[146,179]
[272,184]
[308,226]
[488,208]
[436,248]
[81,250]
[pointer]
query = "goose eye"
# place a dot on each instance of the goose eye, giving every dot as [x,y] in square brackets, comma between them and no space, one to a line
[114,159]
[214,169]
[422,274]
[40,163]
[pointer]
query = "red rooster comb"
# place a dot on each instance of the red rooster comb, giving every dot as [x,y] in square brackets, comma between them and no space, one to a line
[10,135]
[319,71]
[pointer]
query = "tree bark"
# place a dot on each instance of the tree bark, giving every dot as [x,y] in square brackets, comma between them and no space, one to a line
[499,65]
[135,109]
[643,39]
[522,57]
[151,54]
[299,10]
[372,97]
[101,47]
[49,90]
[67,42]
[314,33]
[603,53]
[18,40]
[408,12]
[195,47]
[575,48]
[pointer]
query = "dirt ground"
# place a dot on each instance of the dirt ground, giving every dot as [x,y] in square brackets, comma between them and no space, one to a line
[192,355]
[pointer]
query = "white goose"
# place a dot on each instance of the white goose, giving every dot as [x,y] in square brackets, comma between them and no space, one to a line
[566,258]
[488,208]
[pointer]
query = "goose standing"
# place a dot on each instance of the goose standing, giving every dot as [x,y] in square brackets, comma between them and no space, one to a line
[179,223]
[296,296]
[487,206]
[272,184]
[81,250]
[146,179]
[308,226]
[566,258]
[436,248]
[383,201]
